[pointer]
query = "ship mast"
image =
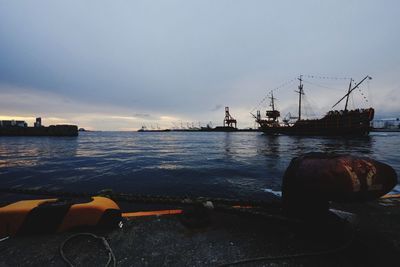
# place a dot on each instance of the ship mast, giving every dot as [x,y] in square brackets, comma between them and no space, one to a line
[272,101]
[352,89]
[348,95]
[301,92]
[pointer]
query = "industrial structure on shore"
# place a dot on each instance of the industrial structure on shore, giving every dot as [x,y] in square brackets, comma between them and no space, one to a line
[229,124]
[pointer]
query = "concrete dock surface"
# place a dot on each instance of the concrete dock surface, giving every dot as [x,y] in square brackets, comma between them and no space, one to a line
[372,238]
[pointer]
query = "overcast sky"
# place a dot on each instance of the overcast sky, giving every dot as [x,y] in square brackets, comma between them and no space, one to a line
[115,65]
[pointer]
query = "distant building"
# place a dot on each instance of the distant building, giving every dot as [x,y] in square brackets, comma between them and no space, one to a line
[20,128]
[38,122]
[387,123]
[13,123]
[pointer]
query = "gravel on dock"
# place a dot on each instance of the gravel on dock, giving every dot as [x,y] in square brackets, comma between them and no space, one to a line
[373,240]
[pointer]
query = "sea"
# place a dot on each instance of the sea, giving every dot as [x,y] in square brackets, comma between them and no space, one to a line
[211,164]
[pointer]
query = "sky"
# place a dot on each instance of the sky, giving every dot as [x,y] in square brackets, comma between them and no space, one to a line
[118,65]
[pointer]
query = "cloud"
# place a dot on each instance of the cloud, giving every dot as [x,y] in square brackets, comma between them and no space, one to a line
[144,116]
[390,104]
[175,59]
[217,107]
[20,103]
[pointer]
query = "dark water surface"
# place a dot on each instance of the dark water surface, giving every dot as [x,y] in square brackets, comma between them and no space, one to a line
[241,164]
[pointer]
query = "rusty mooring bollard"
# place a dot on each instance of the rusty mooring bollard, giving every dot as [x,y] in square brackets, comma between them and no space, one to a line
[312,180]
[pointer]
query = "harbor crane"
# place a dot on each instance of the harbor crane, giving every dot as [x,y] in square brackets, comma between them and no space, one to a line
[229,121]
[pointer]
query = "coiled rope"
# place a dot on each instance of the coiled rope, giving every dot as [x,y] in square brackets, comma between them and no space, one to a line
[111,256]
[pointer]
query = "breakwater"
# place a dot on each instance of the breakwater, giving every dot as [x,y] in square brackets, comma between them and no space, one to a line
[52,130]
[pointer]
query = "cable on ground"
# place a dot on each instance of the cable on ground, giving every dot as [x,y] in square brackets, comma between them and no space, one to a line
[111,256]
[294,256]
[4,238]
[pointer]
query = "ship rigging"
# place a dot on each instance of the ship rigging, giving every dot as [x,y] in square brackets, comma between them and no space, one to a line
[344,122]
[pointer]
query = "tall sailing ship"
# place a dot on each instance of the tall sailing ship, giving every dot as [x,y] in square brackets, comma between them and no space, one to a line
[335,122]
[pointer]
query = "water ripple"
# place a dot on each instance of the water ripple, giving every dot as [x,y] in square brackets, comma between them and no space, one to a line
[173,163]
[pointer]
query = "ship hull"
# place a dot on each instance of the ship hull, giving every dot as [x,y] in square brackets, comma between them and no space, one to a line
[292,130]
[333,124]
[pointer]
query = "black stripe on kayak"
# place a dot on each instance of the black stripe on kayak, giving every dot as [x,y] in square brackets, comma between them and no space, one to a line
[47,217]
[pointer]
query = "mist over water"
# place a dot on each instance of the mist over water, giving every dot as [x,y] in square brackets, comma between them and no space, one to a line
[234,165]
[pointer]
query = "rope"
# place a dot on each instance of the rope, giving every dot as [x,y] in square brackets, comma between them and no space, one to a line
[270,209]
[137,198]
[111,256]
[276,88]
[369,94]
[322,86]
[4,238]
[294,256]
[185,201]
[325,77]
[309,112]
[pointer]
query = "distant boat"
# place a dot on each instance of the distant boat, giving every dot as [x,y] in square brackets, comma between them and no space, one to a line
[144,129]
[334,123]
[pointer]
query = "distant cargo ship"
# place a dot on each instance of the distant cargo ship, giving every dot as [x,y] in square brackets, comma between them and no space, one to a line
[20,128]
[338,123]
